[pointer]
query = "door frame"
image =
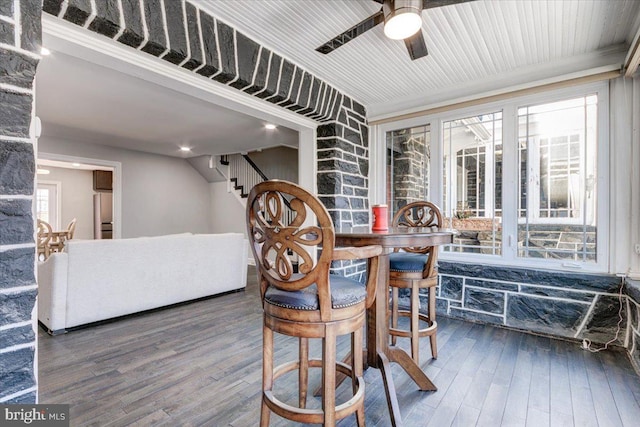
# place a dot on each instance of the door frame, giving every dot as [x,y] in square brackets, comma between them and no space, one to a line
[117,185]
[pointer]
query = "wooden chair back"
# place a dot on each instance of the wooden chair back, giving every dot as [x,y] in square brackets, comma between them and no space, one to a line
[420,214]
[283,219]
[44,237]
[71,229]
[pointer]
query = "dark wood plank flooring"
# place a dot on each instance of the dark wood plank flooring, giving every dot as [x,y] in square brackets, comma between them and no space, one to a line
[200,365]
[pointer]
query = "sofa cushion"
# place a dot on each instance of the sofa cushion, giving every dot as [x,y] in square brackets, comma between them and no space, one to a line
[345,292]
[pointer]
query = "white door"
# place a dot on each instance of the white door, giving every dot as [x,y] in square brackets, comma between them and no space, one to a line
[47,203]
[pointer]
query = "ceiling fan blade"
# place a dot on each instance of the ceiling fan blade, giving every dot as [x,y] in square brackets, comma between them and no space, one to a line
[430,4]
[351,33]
[416,46]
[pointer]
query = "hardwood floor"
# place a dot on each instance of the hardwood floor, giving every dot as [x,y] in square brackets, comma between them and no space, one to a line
[200,364]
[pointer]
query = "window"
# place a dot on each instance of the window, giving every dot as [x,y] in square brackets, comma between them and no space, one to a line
[473,182]
[42,204]
[558,157]
[522,180]
[47,203]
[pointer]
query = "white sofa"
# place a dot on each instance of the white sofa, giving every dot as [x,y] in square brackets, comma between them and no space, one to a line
[102,279]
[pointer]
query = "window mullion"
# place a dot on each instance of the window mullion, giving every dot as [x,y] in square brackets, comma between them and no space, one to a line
[435,166]
[510,181]
[489,183]
[534,177]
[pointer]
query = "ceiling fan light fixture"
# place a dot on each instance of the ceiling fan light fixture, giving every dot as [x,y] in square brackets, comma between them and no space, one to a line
[402,18]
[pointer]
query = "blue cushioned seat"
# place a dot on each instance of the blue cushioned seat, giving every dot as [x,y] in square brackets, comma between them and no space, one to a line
[344,293]
[407,261]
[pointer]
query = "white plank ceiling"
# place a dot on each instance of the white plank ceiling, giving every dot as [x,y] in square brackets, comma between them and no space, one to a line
[478,47]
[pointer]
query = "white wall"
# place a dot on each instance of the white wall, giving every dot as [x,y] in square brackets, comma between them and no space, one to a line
[160,194]
[227,213]
[76,198]
[634,263]
[277,163]
[624,176]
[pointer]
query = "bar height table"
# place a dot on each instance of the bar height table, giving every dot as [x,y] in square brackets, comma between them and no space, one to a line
[379,351]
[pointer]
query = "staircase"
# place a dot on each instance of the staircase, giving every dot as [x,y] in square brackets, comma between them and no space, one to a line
[242,175]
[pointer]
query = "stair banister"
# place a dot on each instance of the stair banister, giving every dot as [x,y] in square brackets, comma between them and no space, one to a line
[243,175]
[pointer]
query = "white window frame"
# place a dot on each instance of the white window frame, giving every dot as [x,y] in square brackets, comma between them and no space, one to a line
[510,184]
[534,202]
[489,178]
[58,201]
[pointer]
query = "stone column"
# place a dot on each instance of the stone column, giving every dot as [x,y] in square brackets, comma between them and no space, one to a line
[343,170]
[409,170]
[20,35]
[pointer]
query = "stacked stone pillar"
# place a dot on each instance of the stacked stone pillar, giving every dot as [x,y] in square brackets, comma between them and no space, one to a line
[343,170]
[410,163]
[19,54]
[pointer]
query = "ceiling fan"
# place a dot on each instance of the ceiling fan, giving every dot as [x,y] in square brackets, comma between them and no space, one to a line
[403,21]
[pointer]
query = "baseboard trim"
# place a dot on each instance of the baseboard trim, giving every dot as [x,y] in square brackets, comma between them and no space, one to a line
[137,314]
[53,333]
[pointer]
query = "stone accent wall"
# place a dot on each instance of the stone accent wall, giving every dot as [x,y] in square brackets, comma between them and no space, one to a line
[343,169]
[632,291]
[568,305]
[20,36]
[343,165]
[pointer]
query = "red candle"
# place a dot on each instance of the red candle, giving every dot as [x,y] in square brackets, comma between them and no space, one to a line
[380,218]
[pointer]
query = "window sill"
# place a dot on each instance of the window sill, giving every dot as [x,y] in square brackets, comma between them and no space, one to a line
[542,264]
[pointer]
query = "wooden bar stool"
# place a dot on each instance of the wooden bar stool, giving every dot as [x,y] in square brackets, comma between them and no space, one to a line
[415,269]
[284,219]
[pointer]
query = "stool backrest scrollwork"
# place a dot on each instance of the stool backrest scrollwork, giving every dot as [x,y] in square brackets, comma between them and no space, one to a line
[284,222]
[421,214]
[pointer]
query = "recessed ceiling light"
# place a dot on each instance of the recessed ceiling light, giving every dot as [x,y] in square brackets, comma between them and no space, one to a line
[270,126]
[43,171]
[44,51]
[75,165]
[185,149]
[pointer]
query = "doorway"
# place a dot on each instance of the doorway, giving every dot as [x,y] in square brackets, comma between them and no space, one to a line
[69,187]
